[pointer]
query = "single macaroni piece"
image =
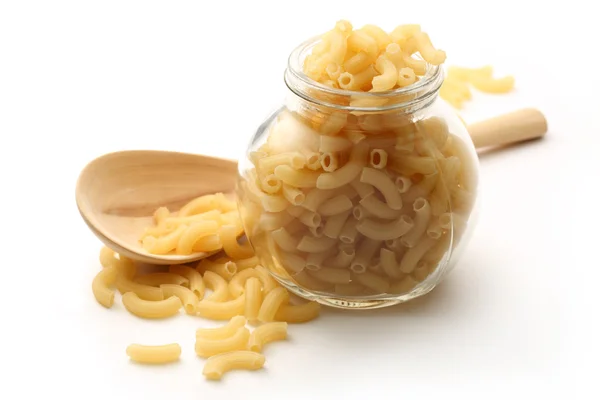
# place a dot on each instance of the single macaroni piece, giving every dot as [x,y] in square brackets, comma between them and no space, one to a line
[421,221]
[154,354]
[187,297]
[159,278]
[295,314]
[377,230]
[107,257]
[197,230]
[232,248]
[124,285]
[209,347]
[151,309]
[271,303]
[253,292]
[218,285]
[226,269]
[223,310]
[217,366]
[269,283]
[101,286]
[345,174]
[238,282]
[224,331]
[267,333]
[336,205]
[382,182]
[196,283]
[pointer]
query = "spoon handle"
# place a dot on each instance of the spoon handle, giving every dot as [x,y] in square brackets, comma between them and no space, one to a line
[517,126]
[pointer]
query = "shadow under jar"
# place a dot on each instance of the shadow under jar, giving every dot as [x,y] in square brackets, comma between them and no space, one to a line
[359,199]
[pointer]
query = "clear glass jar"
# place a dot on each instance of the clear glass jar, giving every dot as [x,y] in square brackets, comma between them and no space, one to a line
[359,199]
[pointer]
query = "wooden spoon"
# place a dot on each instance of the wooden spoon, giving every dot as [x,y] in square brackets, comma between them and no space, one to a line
[118,193]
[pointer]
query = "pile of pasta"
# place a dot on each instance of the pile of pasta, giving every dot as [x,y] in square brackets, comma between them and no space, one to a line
[229,286]
[351,204]
[370,59]
[456,87]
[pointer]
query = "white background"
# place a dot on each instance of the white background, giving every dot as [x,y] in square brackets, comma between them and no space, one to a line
[517,317]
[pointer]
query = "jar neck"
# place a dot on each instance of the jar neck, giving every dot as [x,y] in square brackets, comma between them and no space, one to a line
[407,100]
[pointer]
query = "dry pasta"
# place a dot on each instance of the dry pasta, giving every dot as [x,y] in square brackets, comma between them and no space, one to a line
[151,309]
[217,366]
[145,354]
[101,286]
[267,333]
[209,347]
[224,331]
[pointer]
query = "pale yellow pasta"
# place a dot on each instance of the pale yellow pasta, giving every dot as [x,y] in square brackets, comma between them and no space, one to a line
[403,285]
[350,289]
[314,261]
[268,164]
[406,77]
[297,178]
[418,66]
[269,283]
[355,136]
[389,263]
[332,275]
[199,205]
[267,333]
[335,205]
[362,189]
[315,197]
[377,230]
[421,271]
[151,309]
[334,224]
[405,144]
[271,221]
[296,211]
[382,182]
[161,214]
[293,262]
[414,254]
[358,62]
[365,251]
[372,281]
[295,314]
[101,285]
[164,244]
[224,331]
[209,347]
[407,165]
[345,174]
[271,303]
[403,184]
[333,123]
[317,231]
[124,285]
[388,75]
[284,240]
[427,51]
[403,32]
[208,244]
[253,291]
[187,297]
[273,202]
[421,220]
[223,310]
[294,195]
[434,229]
[349,231]
[333,70]
[218,285]
[245,263]
[331,144]
[378,208]
[174,222]
[329,162]
[255,156]
[126,267]
[196,283]
[358,81]
[238,282]
[313,161]
[270,184]
[107,257]
[344,257]
[310,218]
[230,244]
[378,158]
[311,244]
[162,354]
[217,366]
[489,85]
[305,280]
[159,278]
[421,189]
[360,41]
[359,212]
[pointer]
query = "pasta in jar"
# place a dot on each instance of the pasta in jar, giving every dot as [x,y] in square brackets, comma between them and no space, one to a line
[351,193]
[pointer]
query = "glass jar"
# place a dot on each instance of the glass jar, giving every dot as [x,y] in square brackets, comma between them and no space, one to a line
[359,199]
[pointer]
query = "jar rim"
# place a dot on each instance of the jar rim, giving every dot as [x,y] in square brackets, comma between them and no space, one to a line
[425,87]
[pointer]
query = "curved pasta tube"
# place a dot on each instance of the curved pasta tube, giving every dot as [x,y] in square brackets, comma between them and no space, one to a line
[207,347]
[414,254]
[218,285]
[107,257]
[220,364]
[297,178]
[382,182]
[154,354]
[378,208]
[311,244]
[389,75]
[159,278]
[254,297]
[335,205]
[269,283]
[196,283]
[271,303]
[374,229]
[334,224]
[226,270]
[221,310]
[421,221]
[267,333]
[389,263]
[100,286]
[296,314]
[151,309]
[224,331]
[199,205]
[124,285]
[335,276]
[372,281]
[230,245]
[197,230]
[404,285]
[237,283]
[187,297]
[345,174]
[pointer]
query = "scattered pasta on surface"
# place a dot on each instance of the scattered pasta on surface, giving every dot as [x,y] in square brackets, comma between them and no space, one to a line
[456,88]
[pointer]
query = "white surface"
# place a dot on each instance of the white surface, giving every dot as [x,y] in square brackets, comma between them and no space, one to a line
[77,79]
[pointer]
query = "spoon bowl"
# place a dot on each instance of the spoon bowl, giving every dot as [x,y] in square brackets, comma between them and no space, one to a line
[117,194]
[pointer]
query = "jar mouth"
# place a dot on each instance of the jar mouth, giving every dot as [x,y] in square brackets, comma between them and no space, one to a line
[301,84]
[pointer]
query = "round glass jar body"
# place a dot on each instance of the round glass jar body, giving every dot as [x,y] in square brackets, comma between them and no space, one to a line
[359,200]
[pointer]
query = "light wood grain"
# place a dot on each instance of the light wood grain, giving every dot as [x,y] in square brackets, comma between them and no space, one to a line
[117,194]
[517,126]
